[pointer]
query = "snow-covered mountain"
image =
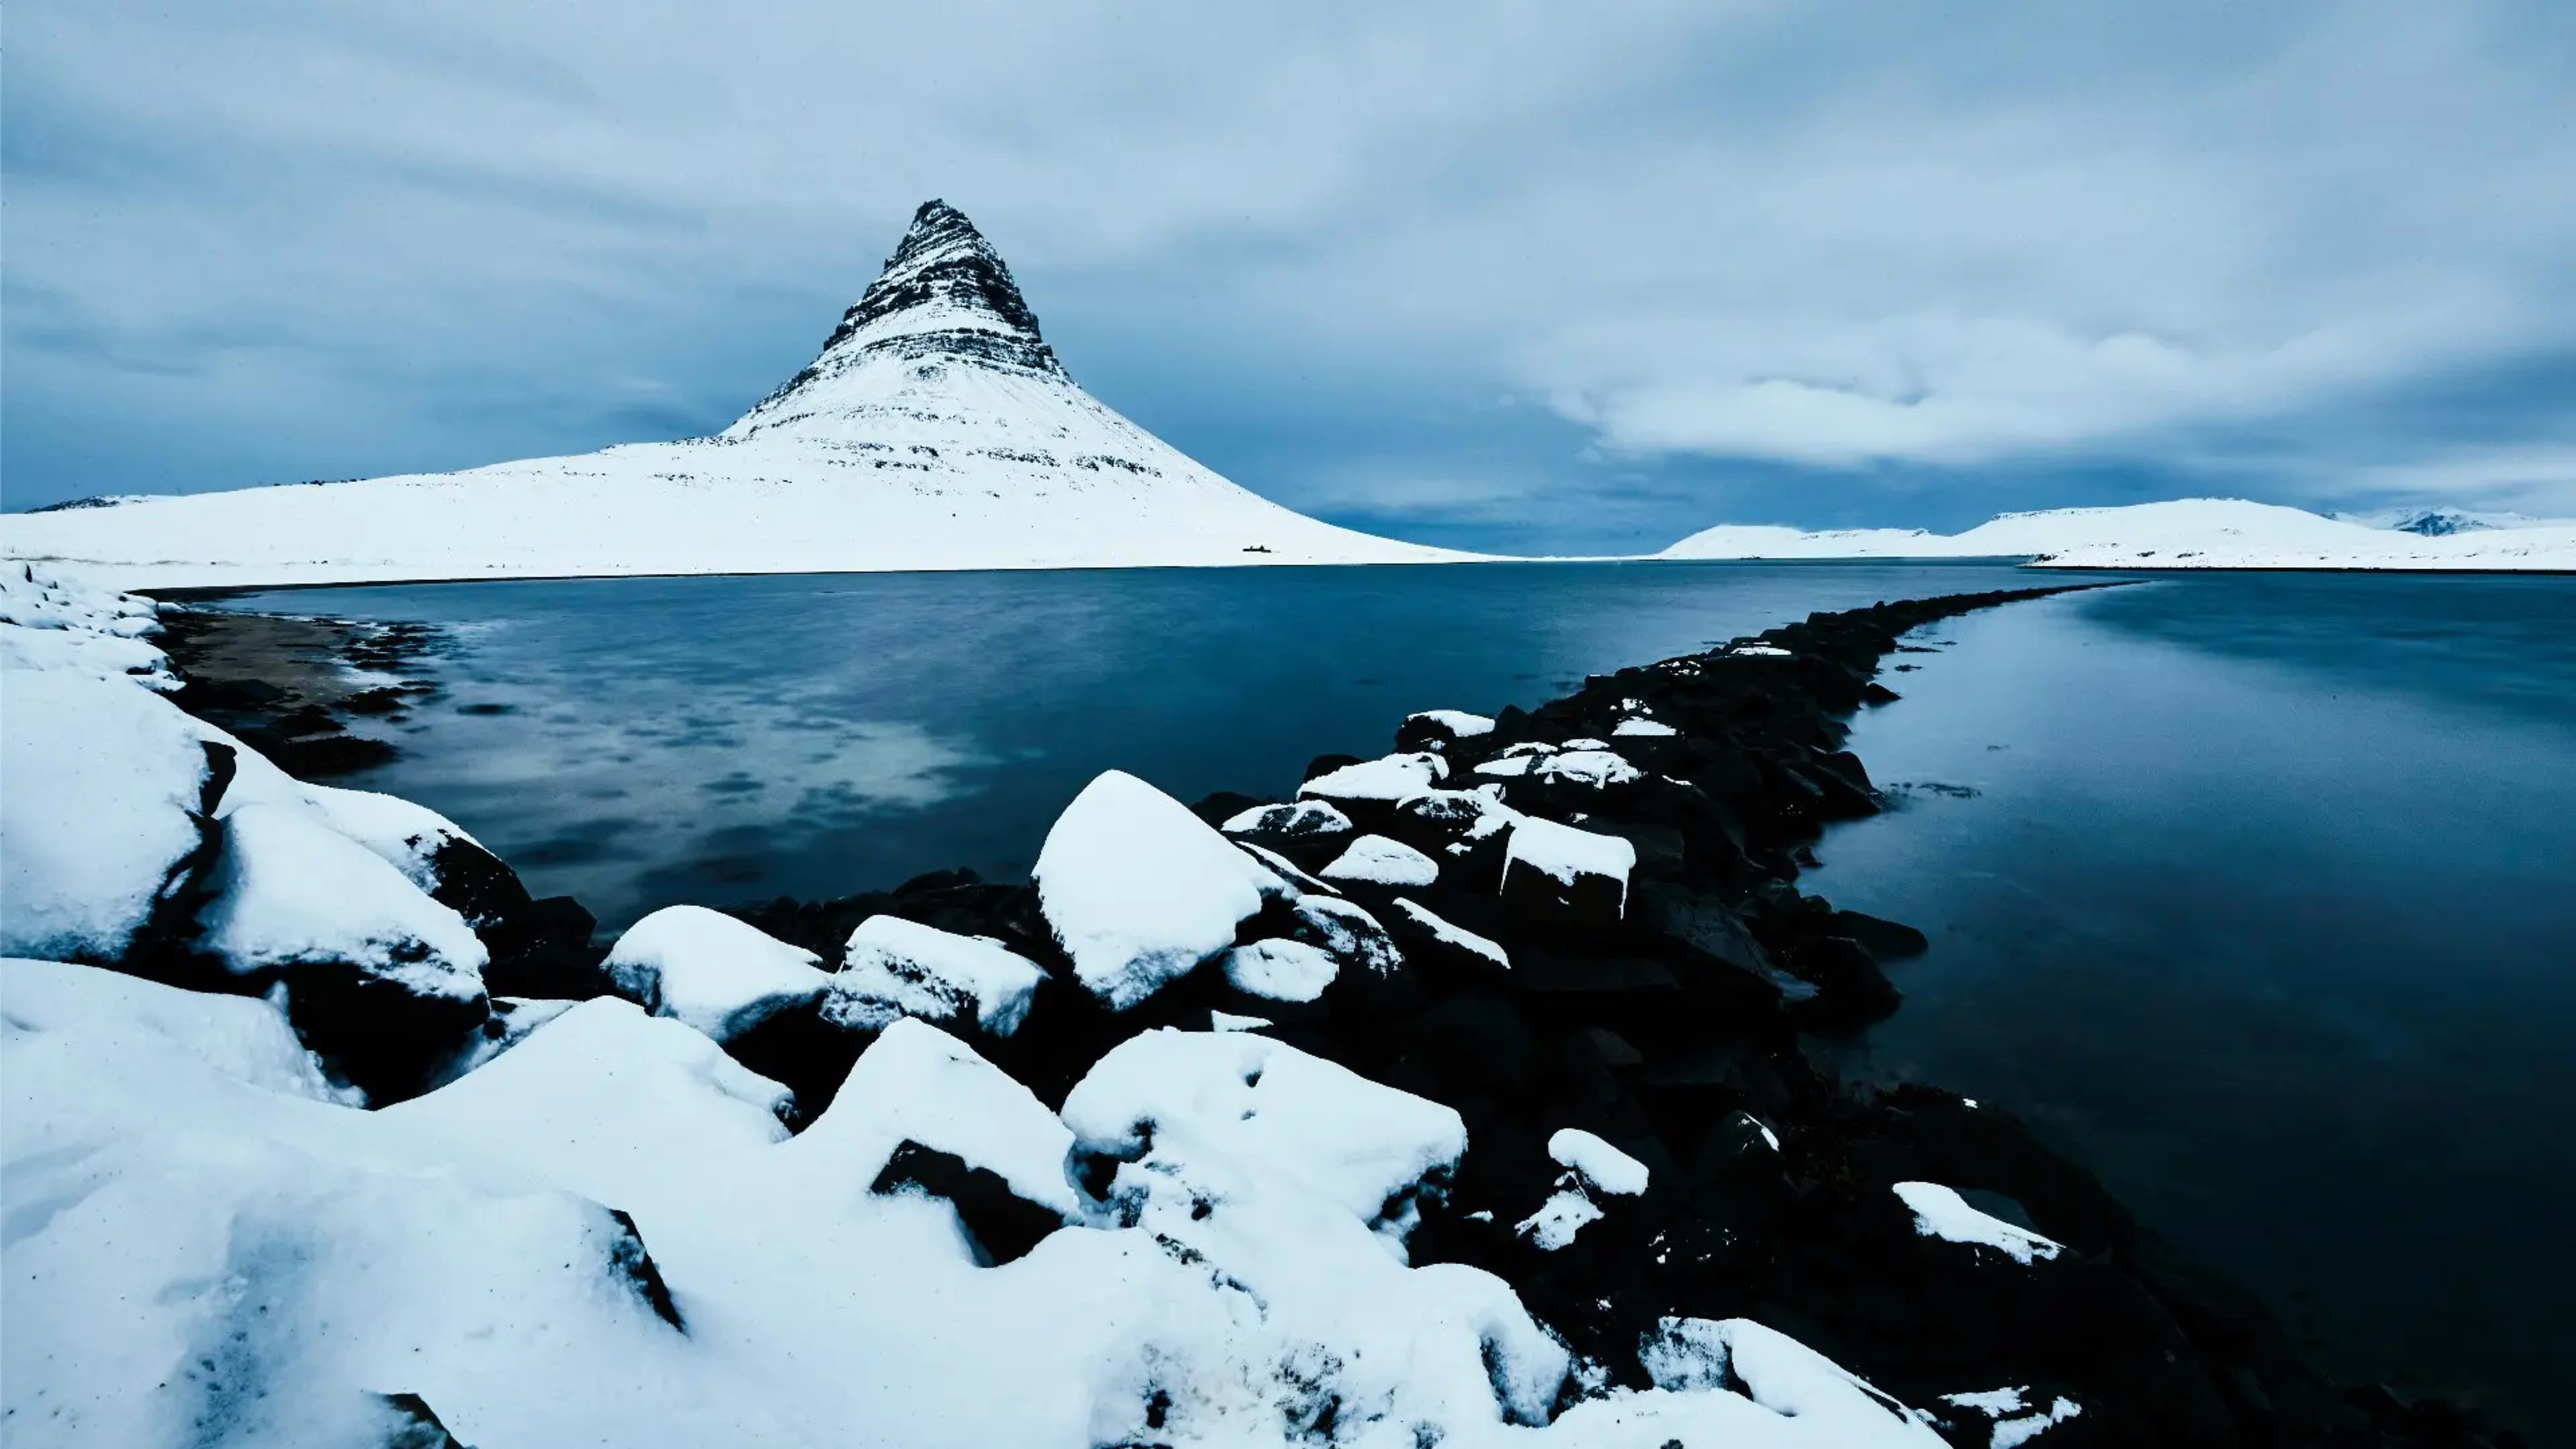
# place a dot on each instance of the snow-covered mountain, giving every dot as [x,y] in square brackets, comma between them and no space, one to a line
[936,430]
[2437,522]
[2202,533]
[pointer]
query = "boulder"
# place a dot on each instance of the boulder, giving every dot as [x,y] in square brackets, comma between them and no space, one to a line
[712,972]
[894,967]
[1559,871]
[1438,729]
[385,983]
[1375,860]
[1139,891]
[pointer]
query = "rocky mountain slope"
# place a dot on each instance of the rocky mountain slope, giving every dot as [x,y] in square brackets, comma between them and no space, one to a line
[936,430]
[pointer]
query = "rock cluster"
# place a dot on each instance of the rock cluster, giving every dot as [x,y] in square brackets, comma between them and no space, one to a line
[1465,1087]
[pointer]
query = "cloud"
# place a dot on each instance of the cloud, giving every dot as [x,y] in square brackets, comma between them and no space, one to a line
[1833,244]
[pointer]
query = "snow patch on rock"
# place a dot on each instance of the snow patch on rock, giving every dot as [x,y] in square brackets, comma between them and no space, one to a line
[893,967]
[1939,1212]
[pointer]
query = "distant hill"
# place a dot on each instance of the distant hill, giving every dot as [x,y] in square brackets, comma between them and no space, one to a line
[2188,533]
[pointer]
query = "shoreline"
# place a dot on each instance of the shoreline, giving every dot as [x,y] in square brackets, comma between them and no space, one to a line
[1718,932]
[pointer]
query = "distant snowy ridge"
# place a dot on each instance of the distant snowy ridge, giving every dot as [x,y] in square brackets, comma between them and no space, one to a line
[936,430]
[2185,533]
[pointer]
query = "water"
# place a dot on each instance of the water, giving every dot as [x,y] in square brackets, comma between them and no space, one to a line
[2265,909]
[730,739]
[2256,893]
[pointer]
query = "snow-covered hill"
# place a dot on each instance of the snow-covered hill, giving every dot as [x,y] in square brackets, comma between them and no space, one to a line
[2186,533]
[935,431]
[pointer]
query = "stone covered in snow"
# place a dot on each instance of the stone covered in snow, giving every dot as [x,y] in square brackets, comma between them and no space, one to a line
[1562,866]
[1297,820]
[99,782]
[291,891]
[922,1112]
[1939,1212]
[1827,1404]
[1374,860]
[1139,891]
[1374,1150]
[1281,970]
[1380,782]
[712,972]
[1597,768]
[1460,943]
[1354,937]
[1602,1168]
[1437,729]
[894,967]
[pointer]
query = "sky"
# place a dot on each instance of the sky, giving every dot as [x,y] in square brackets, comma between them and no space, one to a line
[1529,277]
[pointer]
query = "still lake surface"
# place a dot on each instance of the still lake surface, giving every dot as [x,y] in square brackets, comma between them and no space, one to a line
[2256,892]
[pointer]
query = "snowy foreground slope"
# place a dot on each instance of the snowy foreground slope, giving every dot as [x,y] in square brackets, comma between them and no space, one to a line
[2188,533]
[935,431]
[588,1223]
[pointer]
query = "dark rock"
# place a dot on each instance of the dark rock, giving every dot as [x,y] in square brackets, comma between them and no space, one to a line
[1003,1225]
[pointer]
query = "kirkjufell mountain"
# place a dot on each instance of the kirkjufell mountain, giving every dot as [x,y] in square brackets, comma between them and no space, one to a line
[936,430]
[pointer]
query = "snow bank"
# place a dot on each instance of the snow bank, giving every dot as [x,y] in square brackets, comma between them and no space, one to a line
[1378,861]
[241,1038]
[48,622]
[1138,890]
[1939,1212]
[98,782]
[893,967]
[711,971]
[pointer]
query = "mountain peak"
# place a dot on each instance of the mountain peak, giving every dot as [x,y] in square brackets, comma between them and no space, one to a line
[945,295]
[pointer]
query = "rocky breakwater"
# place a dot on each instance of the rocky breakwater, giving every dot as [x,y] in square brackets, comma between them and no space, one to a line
[1456,1097]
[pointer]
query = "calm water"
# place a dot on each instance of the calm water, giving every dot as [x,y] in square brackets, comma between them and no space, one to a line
[2257,893]
[718,740]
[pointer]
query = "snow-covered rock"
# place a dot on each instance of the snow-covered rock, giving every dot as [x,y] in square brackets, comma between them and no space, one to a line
[291,891]
[1346,930]
[893,967]
[922,1114]
[1601,1167]
[1297,820]
[1939,1212]
[1383,781]
[1373,1150]
[714,973]
[1639,727]
[99,782]
[1458,939]
[1596,768]
[935,430]
[1594,1171]
[1588,870]
[1281,970]
[1375,860]
[1437,729]
[1139,891]
[1826,1403]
